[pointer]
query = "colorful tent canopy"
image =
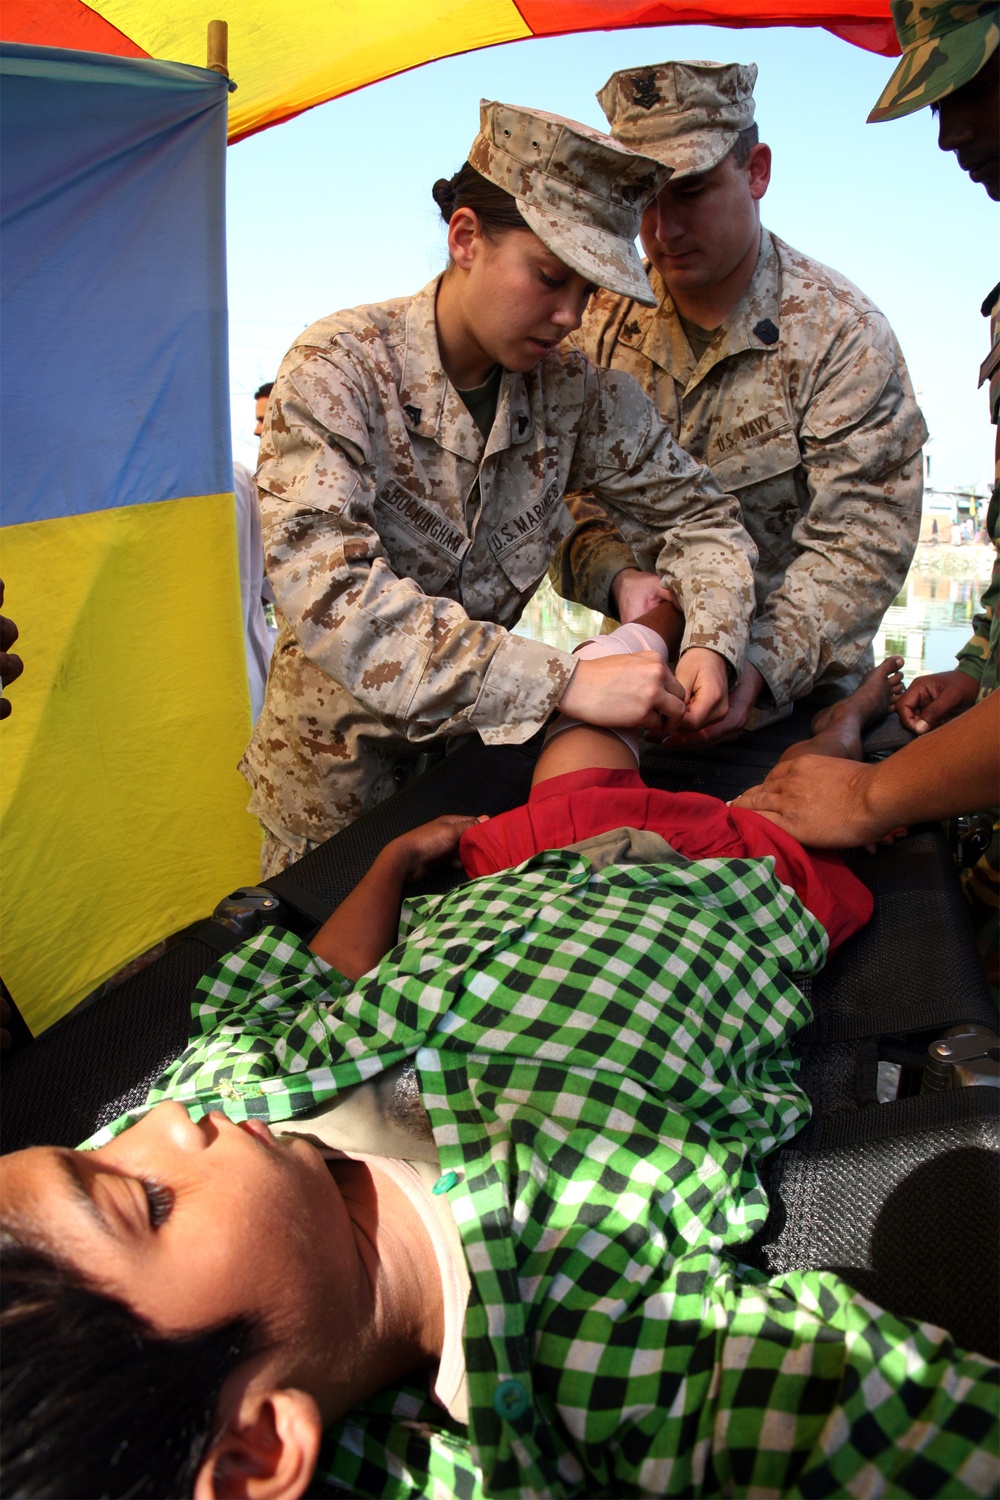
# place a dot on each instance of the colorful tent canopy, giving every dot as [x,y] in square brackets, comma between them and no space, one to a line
[289,57]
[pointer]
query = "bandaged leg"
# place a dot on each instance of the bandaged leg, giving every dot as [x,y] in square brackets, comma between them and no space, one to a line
[624,641]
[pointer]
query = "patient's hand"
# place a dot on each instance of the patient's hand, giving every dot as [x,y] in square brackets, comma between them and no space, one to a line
[421,848]
[932,700]
[366,924]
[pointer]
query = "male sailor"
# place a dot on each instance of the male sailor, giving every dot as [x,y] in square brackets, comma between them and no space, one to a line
[776,372]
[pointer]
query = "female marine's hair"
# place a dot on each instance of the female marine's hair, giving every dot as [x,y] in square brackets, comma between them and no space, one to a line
[95,1401]
[495,209]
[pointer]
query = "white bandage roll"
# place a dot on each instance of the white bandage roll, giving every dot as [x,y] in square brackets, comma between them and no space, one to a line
[625,641]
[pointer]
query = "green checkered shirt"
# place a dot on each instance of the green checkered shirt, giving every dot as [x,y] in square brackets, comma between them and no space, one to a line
[603,1058]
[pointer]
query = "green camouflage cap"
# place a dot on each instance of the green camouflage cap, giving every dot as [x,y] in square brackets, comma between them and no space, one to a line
[685,114]
[944,45]
[581,192]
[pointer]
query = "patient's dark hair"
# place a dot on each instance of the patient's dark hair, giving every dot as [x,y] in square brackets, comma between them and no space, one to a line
[95,1402]
[496,209]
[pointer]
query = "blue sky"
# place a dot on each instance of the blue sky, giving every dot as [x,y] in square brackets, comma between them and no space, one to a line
[334,208]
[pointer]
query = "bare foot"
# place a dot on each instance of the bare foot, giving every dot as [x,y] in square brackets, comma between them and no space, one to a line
[847,720]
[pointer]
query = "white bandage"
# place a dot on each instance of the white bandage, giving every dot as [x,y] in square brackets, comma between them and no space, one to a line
[625,641]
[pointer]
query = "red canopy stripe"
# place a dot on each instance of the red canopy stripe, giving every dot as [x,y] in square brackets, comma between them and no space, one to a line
[64,23]
[864,23]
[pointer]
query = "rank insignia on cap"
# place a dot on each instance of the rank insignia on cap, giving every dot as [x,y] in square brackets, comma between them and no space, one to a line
[766,331]
[414,413]
[644,90]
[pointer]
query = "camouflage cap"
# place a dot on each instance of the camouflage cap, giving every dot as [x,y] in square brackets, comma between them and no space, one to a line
[944,45]
[685,114]
[581,192]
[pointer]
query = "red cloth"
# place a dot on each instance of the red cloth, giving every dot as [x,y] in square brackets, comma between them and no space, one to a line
[566,809]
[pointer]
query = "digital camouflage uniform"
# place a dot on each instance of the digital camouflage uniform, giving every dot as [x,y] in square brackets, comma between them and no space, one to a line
[603,1057]
[801,406]
[402,547]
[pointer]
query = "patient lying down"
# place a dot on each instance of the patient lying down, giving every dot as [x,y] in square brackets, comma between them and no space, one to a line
[453,1202]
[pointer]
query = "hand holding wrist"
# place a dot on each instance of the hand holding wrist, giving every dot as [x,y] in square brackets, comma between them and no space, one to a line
[634,593]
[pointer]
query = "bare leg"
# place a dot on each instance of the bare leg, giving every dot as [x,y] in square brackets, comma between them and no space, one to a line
[583,747]
[837,730]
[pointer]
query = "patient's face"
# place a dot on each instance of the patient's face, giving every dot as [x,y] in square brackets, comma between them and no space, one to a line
[194,1223]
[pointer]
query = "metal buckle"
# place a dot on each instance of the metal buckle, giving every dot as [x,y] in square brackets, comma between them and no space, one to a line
[965,1056]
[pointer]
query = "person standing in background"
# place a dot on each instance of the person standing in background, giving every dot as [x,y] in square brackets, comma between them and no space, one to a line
[255,590]
[951,63]
[261,396]
[777,373]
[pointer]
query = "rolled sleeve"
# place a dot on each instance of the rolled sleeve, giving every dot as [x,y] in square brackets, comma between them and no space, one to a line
[523,684]
[861,441]
[414,660]
[672,514]
[591,558]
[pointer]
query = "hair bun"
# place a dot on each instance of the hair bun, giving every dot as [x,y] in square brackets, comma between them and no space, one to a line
[443,193]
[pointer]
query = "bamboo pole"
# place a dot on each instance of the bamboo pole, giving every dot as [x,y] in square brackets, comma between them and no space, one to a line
[218,47]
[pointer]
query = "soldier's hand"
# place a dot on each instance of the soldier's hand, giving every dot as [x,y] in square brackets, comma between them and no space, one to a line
[733,721]
[624,692]
[636,593]
[929,701]
[704,675]
[818,800]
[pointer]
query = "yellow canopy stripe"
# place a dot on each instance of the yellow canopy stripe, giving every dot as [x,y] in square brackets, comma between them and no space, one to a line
[285,59]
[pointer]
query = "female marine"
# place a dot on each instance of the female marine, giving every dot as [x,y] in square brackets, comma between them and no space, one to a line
[413,468]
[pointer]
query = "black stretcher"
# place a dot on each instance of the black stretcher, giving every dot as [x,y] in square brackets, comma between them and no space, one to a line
[901,1197]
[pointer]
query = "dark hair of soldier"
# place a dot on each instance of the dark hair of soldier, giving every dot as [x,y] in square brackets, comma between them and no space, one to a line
[744,144]
[95,1401]
[496,210]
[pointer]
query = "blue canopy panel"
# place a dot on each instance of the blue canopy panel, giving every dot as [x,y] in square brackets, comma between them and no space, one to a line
[113,366]
[123,812]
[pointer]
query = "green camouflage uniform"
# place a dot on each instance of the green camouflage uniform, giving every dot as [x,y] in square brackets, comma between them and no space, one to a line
[944,46]
[802,407]
[603,1057]
[980,658]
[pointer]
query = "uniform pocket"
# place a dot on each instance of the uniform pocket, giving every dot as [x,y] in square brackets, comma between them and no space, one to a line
[759,452]
[525,545]
[419,542]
